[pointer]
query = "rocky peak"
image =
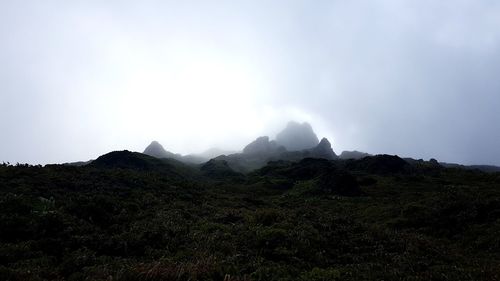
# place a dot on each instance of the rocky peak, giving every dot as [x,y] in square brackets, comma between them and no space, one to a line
[297,137]
[324,143]
[262,145]
[155,149]
[324,150]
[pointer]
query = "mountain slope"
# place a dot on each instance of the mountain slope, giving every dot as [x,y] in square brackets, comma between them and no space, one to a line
[124,218]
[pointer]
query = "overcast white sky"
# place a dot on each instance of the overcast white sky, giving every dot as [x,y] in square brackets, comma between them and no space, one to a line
[415,78]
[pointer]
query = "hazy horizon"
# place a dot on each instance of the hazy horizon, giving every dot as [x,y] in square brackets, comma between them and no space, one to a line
[414,78]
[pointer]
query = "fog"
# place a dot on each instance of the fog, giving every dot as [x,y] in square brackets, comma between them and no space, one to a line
[414,78]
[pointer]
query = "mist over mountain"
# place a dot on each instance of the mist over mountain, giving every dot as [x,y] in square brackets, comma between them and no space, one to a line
[262,146]
[297,136]
[155,149]
[213,152]
[250,140]
[296,141]
[323,150]
[116,214]
[259,152]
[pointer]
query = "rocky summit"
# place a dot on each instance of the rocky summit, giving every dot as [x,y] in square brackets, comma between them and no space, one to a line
[297,137]
[263,146]
[324,150]
[155,149]
[296,142]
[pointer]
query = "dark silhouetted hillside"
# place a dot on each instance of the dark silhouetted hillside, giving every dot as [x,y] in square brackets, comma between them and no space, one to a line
[321,175]
[127,160]
[346,155]
[380,164]
[130,216]
[266,214]
[219,169]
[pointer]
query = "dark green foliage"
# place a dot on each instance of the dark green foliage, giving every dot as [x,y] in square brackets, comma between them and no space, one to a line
[127,160]
[339,182]
[132,217]
[219,169]
[379,164]
[326,175]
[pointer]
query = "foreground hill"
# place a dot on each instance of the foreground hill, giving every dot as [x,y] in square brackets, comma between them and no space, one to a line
[129,216]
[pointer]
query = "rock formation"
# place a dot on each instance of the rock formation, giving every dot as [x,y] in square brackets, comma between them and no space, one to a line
[294,143]
[323,150]
[297,137]
[262,146]
[155,149]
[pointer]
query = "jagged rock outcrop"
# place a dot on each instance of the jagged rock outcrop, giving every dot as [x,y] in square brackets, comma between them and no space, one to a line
[297,137]
[262,146]
[302,143]
[323,150]
[155,149]
[262,150]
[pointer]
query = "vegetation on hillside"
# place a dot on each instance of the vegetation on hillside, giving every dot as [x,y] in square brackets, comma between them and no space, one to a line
[128,216]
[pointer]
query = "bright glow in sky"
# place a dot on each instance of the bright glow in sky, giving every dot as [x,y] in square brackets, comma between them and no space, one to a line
[415,78]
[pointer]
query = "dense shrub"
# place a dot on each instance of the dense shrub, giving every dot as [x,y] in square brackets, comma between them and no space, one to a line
[308,220]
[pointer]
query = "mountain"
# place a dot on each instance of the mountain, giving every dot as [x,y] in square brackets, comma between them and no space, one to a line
[380,164]
[200,158]
[78,163]
[219,169]
[294,143]
[263,147]
[155,149]
[353,155]
[261,151]
[131,216]
[484,168]
[323,150]
[255,155]
[297,141]
[321,175]
[214,152]
[296,137]
[127,160]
